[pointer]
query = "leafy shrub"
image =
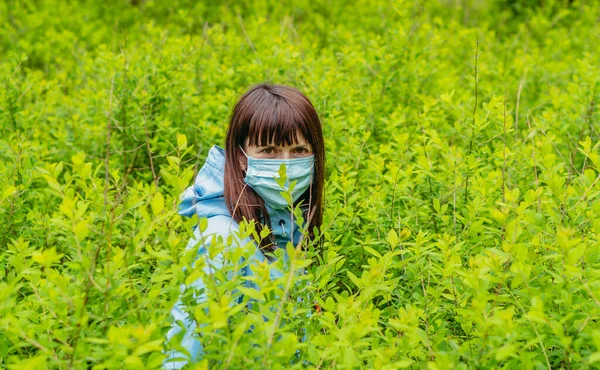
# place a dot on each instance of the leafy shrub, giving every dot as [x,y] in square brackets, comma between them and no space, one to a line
[461,224]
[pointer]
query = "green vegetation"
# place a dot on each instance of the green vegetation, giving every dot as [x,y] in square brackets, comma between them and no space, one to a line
[462,223]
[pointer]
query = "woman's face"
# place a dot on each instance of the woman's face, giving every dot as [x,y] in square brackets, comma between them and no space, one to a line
[272,151]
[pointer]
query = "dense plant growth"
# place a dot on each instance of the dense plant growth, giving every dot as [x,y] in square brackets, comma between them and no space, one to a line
[462,198]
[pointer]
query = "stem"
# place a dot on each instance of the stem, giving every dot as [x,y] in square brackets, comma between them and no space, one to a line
[534,329]
[504,151]
[520,88]
[588,119]
[537,182]
[248,38]
[433,218]
[91,281]
[454,196]
[150,154]
[473,127]
[280,310]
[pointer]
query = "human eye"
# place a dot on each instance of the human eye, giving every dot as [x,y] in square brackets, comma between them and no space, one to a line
[301,150]
[268,150]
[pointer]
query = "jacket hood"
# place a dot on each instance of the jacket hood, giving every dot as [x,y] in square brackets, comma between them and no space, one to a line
[206,198]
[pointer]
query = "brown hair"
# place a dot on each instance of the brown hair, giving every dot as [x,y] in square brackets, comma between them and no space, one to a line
[268,114]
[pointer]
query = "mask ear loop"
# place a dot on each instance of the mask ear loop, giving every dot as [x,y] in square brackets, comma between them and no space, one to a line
[244,171]
[237,203]
[242,149]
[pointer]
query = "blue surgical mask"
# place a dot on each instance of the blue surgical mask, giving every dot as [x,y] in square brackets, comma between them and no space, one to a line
[261,176]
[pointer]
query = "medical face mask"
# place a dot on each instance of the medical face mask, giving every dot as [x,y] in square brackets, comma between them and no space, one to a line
[262,173]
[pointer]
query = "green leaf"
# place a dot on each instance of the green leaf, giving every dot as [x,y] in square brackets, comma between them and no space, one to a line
[372,251]
[155,345]
[181,141]
[47,257]
[202,224]
[403,364]
[358,282]
[217,314]
[78,158]
[252,293]
[81,230]
[594,357]
[282,179]
[392,238]
[505,351]
[8,191]
[158,203]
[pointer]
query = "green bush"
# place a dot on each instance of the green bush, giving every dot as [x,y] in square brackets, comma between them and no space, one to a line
[462,197]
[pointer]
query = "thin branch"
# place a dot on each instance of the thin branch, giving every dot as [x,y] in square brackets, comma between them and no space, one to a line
[150,154]
[473,125]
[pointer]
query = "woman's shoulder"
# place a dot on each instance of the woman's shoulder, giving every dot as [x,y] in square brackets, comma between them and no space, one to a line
[205,197]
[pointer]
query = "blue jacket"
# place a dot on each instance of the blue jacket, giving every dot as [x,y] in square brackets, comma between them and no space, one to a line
[205,198]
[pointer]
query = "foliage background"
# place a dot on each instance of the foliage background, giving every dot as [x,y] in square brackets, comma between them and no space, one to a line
[462,196]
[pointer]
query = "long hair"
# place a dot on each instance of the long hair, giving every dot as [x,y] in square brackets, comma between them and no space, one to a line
[264,115]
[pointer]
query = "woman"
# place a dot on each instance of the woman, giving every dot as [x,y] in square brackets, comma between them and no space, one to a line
[269,126]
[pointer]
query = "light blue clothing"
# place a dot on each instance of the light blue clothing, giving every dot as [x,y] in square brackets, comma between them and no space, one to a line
[205,198]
